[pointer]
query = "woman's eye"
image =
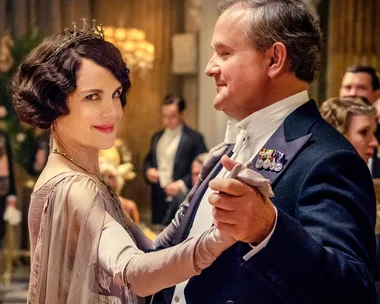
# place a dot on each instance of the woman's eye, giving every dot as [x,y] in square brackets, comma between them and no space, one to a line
[117,94]
[92,97]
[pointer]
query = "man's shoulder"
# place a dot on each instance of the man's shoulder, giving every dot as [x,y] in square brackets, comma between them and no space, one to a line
[158,133]
[327,137]
[327,146]
[191,131]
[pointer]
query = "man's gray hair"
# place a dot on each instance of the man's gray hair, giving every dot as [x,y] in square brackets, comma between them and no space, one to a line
[289,22]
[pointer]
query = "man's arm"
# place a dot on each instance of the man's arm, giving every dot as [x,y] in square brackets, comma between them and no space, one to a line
[149,160]
[329,247]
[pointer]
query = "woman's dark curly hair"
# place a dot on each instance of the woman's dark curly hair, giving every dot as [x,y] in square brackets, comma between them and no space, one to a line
[45,79]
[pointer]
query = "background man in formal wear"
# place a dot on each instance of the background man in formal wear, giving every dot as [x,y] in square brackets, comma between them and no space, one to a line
[7,181]
[313,242]
[363,81]
[168,162]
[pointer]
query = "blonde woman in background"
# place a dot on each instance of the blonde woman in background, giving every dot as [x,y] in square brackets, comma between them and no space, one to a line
[114,176]
[355,118]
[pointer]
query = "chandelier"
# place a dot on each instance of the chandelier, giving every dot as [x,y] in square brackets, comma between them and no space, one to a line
[137,52]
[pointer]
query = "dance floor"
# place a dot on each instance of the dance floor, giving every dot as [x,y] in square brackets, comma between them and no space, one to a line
[16,292]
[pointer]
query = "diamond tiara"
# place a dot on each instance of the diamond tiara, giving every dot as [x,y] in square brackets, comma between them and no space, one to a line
[67,37]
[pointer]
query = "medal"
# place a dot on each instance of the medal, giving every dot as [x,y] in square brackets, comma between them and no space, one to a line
[277,167]
[279,159]
[259,163]
[266,164]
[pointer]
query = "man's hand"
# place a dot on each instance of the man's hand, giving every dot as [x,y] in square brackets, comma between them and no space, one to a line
[152,175]
[173,188]
[239,209]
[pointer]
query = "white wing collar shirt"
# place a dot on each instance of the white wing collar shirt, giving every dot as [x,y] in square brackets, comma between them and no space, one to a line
[167,147]
[249,136]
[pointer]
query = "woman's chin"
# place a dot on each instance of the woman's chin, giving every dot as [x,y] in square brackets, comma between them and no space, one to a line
[106,145]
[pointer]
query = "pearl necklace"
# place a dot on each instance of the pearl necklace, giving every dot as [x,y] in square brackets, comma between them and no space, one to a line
[72,160]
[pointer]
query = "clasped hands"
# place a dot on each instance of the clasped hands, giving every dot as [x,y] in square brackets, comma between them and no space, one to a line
[171,189]
[241,205]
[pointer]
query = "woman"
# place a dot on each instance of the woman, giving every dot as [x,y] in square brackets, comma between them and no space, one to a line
[355,119]
[83,248]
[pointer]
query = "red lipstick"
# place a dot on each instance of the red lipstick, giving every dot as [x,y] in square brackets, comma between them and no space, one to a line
[105,128]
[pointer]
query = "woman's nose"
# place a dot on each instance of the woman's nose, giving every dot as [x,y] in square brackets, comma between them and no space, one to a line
[108,109]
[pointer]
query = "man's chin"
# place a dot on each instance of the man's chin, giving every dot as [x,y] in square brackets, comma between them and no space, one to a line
[219,103]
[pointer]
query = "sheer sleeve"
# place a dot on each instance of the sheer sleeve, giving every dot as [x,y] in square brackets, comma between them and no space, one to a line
[143,273]
[147,273]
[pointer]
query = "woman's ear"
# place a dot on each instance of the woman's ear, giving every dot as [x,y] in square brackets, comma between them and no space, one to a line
[277,55]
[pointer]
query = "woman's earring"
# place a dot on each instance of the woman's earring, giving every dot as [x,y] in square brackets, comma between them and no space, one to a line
[51,139]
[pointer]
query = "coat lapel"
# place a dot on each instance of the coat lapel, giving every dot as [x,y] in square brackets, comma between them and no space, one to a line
[290,137]
[154,147]
[182,143]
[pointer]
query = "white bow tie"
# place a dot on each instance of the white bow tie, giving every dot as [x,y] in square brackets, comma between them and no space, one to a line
[241,139]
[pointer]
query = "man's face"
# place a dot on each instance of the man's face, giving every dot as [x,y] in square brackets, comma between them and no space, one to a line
[171,118]
[239,70]
[358,84]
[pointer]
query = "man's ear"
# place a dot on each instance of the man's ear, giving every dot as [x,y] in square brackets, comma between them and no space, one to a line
[277,55]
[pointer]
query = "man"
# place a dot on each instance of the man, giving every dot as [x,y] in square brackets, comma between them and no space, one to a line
[313,242]
[7,181]
[360,81]
[168,162]
[363,81]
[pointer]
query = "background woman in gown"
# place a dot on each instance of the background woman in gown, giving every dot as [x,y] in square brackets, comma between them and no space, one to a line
[355,118]
[83,248]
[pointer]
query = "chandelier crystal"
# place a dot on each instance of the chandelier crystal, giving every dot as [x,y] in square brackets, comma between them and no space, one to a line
[138,53]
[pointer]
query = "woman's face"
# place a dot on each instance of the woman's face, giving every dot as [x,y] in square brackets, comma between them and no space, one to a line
[95,109]
[360,133]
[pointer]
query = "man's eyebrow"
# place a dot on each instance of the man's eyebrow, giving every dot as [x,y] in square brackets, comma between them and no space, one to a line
[218,45]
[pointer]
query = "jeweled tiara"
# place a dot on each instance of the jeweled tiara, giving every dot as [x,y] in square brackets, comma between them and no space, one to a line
[67,37]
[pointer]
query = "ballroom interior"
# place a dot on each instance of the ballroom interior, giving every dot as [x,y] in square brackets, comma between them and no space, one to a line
[166,43]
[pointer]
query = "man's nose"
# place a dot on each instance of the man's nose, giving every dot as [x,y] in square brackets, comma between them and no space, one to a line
[374,142]
[211,68]
[353,92]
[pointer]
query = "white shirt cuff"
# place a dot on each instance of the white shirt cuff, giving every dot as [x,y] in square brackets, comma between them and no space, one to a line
[183,186]
[256,249]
